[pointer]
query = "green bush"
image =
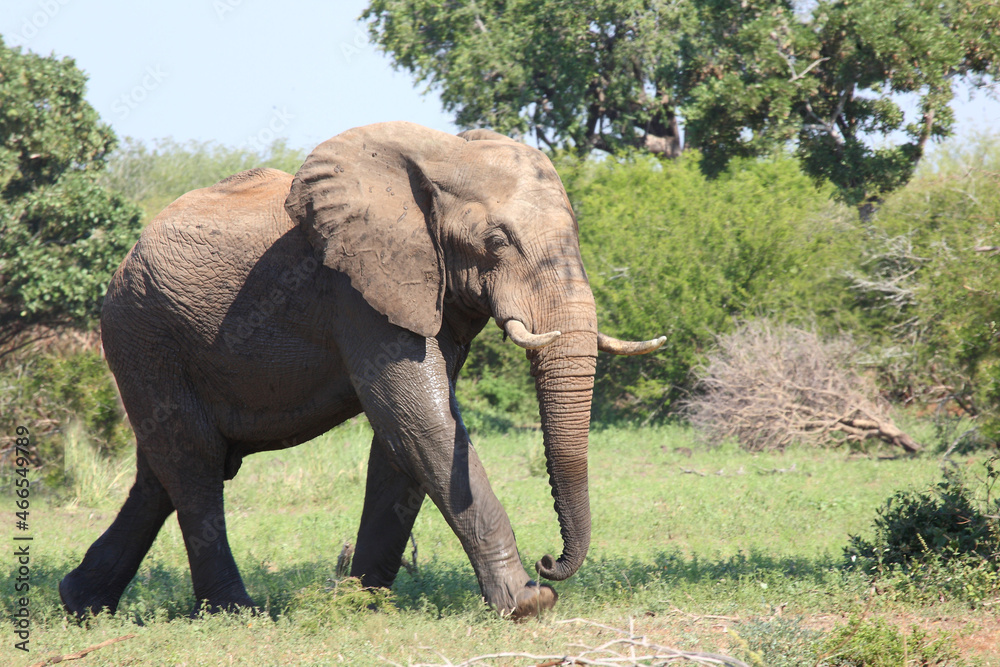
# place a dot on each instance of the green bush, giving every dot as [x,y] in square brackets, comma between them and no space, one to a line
[861,642]
[62,234]
[875,643]
[671,252]
[58,395]
[927,282]
[945,540]
[495,388]
[779,642]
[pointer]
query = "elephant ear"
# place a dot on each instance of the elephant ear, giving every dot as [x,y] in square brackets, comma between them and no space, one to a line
[366,204]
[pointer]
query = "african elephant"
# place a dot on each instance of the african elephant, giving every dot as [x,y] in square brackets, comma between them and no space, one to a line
[264,310]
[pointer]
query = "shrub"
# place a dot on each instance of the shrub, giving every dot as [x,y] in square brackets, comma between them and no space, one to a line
[875,643]
[770,385]
[671,252]
[927,283]
[495,388]
[860,642]
[780,642]
[947,520]
[54,395]
[61,233]
[945,539]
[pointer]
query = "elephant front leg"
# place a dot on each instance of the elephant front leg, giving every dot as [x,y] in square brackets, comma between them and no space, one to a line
[468,503]
[411,406]
[392,500]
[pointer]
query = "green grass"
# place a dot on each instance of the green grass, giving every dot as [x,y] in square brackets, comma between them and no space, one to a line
[687,544]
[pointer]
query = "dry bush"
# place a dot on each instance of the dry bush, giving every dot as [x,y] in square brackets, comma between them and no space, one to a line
[769,385]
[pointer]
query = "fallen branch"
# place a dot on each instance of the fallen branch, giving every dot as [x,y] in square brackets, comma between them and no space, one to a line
[700,617]
[608,654]
[768,386]
[80,654]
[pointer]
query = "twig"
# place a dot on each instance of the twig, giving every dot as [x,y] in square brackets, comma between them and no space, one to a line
[80,654]
[601,656]
[775,471]
[699,617]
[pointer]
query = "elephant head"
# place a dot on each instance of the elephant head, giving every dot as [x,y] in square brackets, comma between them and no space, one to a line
[437,230]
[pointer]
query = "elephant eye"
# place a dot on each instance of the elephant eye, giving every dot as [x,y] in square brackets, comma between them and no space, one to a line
[496,241]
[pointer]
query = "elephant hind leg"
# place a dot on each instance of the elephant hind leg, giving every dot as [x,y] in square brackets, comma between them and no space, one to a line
[112,561]
[214,575]
[195,486]
[392,500]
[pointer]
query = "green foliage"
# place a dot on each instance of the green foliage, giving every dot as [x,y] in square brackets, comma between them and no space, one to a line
[946,539]
[47,128]
[153,176]
[671,252]
[569,73]
[60,247]
[57,396]
[495,389]
[61,233]
[780,642]
[861,642]
[876,643]
[319,607]
[748,78]
[927,294]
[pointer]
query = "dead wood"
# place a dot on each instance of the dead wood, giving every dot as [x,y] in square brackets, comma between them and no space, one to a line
[56,659]
[767,386]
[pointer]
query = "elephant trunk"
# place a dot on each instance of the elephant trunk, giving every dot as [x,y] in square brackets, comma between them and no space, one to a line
[564,381]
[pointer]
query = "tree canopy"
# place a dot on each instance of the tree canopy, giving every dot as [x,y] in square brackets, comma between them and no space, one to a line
[61,233]
[743,78]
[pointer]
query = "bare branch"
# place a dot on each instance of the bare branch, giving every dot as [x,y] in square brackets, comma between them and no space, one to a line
[767,386]
[614,653]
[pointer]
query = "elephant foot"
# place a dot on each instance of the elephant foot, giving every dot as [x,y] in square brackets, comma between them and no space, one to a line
[533,599]
[78,601]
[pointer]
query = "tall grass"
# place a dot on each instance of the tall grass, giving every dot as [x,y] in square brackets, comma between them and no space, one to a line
[92,479]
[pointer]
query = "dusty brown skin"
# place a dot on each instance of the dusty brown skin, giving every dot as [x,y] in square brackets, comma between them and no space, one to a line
[263,311]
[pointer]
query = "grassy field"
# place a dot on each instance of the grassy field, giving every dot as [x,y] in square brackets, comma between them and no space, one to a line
[700,550]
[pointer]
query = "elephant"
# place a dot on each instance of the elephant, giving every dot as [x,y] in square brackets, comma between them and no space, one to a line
[262,311]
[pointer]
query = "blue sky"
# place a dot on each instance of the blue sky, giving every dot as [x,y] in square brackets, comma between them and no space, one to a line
[242,72]
[232,71]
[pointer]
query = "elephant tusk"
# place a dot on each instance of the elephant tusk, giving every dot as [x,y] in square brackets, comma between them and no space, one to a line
[529,341]
[628,347]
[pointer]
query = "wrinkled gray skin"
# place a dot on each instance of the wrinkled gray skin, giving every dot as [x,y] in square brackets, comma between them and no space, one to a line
[241,322]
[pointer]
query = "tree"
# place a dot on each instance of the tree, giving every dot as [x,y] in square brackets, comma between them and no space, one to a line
[61,233]
[747,78]
[927,285]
